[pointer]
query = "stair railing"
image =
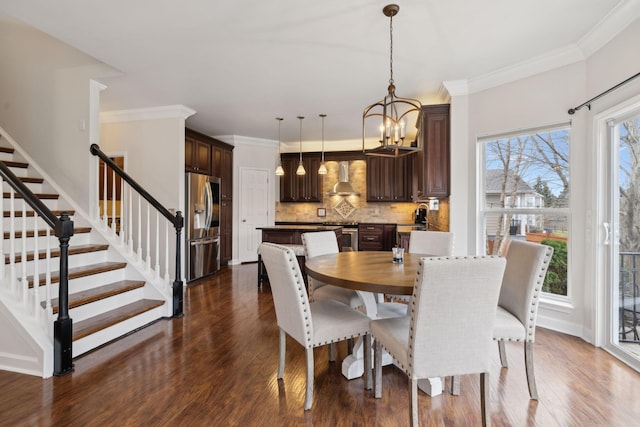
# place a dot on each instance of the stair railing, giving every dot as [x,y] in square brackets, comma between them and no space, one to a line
[63,227]
[136,226]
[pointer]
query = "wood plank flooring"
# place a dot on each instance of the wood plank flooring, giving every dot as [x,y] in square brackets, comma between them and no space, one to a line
[216,366]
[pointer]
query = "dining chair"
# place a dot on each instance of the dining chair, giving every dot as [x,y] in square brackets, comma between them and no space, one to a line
[445,334]
[429,243]
[310,324]
[320,243]
[527,265]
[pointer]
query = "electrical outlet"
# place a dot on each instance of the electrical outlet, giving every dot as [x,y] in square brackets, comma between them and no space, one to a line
[434,204]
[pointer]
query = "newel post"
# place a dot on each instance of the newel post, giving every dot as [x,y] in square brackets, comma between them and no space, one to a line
[63,326]
[178,288]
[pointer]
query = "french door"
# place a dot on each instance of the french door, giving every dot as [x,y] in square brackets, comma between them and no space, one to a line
[622,235]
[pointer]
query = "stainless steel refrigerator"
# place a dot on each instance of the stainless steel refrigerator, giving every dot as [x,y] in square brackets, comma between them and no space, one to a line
[202,225]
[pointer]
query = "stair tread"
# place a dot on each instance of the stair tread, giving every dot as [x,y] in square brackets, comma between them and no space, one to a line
[12,164]
[97,323]
[77,272]
[41,233]
[47,196]
[55,252]
[78,299]
[30,179]
[9,150]
[31,213]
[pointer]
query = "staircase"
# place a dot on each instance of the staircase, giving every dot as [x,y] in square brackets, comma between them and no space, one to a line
[112,292]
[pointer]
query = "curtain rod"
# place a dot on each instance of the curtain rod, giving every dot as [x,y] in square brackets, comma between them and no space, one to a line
[588,103]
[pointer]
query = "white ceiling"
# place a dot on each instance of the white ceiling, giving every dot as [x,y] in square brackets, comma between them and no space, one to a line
[241,63]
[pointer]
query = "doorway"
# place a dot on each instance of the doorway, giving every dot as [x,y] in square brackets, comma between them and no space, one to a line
[620,244]
[255,211]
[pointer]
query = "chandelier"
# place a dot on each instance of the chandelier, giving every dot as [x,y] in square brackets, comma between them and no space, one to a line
[392,113]
[279,169]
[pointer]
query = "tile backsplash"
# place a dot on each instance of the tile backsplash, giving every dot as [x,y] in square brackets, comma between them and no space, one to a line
[356,208]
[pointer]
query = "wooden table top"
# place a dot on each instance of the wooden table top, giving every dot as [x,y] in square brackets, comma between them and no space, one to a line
[366,271]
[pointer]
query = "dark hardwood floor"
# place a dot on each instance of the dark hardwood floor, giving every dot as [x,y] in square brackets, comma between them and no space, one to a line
[217,366]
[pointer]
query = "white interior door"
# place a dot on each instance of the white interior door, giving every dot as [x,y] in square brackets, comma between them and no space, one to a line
[255,211]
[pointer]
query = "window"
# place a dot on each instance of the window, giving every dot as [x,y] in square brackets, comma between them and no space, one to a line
[525,195]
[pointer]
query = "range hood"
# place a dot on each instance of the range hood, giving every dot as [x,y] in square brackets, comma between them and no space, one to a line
[343,187]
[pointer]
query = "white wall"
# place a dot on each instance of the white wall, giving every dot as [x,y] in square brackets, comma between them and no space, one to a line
[544,99]
[44,94]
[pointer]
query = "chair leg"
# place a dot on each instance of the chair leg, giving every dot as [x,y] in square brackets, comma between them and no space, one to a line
[455,385]
[377,375]
[332,352]
[484,399]
[367,361]
[502,349]
[528,363]
[413,392]
[309,398]
[281,355]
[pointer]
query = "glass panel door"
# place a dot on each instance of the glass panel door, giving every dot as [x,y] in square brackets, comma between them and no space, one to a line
[625,236]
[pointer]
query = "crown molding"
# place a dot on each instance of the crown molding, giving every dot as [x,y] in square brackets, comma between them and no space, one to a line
[451,88]
[619,18]
[152,113]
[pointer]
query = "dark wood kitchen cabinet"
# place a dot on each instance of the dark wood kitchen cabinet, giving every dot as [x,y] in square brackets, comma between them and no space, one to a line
[206,155]
[376,237]
[432,165]
[197,156]
[389,179]
[300,188]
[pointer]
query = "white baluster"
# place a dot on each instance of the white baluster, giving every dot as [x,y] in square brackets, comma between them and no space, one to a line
[2,266]
[166,250]
[139,228]
[130,220]
[122,218]
[148,246]
[157,238]
[47,279]
[23,259]
[105,217]
[36,270]
[12,241]
[113,201]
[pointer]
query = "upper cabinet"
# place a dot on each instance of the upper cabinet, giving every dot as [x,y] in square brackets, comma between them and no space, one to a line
[300,188]
[432,164]
[389,179]
[197,156]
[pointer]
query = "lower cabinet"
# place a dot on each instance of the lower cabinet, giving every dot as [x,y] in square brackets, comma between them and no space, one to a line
[226,235]
[376,237]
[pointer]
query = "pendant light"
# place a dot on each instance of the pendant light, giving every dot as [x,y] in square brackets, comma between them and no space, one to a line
[322,170]
[300,170]
[279,169]
[395,112]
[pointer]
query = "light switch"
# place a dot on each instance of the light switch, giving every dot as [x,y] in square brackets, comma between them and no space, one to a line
[434,204]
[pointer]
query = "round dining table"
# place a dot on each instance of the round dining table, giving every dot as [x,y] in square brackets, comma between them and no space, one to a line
[370,273]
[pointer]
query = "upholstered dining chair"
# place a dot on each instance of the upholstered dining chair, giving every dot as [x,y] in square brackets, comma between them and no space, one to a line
[445,334]
[310,324]
[324,243]
[527,265]
[429,243]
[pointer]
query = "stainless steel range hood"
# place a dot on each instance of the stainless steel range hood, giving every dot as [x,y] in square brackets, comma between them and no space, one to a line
[343,187]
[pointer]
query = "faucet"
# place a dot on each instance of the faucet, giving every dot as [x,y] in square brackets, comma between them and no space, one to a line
[426,219]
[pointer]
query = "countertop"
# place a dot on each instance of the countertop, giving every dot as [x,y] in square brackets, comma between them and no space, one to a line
[294,227]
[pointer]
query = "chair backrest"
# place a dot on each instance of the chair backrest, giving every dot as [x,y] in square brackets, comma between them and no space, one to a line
[288,290]
[527,265]
[431,243]
[452,315]
[320,243]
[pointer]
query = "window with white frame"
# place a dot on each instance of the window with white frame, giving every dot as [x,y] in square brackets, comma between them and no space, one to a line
[524,188]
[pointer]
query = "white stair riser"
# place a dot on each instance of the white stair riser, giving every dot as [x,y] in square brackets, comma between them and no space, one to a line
[88,282]
[96,308]
[95,340]
[54,242]
[77,260]
[19,203]
[33,186]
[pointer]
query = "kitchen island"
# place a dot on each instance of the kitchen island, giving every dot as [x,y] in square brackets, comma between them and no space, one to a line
[291,235]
